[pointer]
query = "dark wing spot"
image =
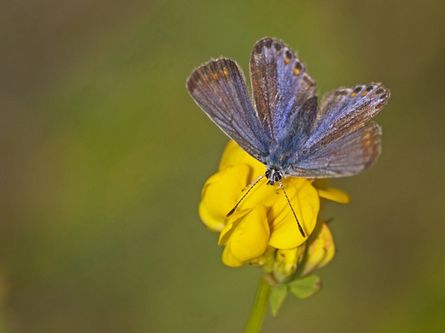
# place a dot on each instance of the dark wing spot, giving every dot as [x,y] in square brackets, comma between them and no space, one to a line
[277,46]
[357,89]
[288,54]
[268,43]
[297,69]
[379,91]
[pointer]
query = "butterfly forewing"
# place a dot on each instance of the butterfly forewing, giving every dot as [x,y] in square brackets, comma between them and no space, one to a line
[288,130]
[218,87]
[280,84]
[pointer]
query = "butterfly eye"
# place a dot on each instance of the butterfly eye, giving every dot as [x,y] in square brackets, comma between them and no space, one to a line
[277,176]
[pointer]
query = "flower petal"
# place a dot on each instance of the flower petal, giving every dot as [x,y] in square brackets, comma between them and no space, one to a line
[229,260]
[328,243]
[234,155]
[285,263]
[306,204]
[321,250]
[261,194]
[230,226]
[220,194]
[250,237]
[266,260]
[334,194]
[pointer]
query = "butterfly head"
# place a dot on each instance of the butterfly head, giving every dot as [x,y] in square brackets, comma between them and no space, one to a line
[273,175]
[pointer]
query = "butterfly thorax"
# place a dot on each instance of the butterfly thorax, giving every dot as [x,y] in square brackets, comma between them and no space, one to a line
[280,157]
[286,128]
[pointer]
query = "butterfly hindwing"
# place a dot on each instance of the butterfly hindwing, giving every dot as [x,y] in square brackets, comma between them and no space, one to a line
[280,84]
[218,87]
[288,130]
[345,110]
[346,156]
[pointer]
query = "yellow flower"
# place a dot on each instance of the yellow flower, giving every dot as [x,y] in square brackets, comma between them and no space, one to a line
[321,250]
[263,230]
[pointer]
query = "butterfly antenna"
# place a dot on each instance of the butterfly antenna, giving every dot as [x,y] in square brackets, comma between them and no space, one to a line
[293,212]
[244,195]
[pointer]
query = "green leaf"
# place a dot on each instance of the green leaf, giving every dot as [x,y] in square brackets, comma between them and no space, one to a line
[277,296]
[305,287]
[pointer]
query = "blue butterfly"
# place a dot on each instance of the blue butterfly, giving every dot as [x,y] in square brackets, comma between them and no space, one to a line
[286,128]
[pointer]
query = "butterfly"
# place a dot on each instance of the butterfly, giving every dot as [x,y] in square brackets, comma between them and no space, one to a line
[284,126]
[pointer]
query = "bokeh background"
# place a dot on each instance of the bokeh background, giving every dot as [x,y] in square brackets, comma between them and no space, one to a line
[103,155]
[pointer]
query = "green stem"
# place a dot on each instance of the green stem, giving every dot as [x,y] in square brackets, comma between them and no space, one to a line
[259,308]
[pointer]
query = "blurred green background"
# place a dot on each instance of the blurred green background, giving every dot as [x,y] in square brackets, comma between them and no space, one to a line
[103,155]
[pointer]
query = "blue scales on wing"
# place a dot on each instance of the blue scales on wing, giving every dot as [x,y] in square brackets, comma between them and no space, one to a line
[280,86]
[344,141]
[344,110]
[346,156]
[219,89]
[288,130]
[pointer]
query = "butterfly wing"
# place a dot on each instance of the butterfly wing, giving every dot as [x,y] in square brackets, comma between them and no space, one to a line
[344,110]
[347,156]
[219,89]
[280,84]
[344,142]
